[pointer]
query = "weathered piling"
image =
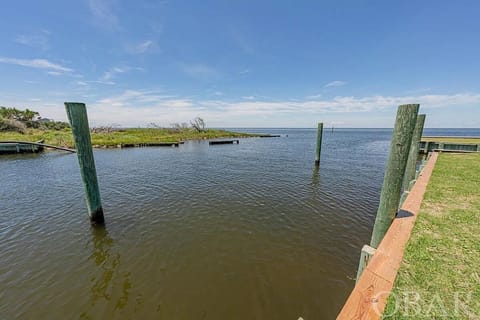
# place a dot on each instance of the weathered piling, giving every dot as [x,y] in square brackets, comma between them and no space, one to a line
[77,116]
[318,148]
[365,257]
[395,170]
[411,167]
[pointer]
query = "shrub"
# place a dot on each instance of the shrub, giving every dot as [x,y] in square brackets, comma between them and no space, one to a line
[12,125]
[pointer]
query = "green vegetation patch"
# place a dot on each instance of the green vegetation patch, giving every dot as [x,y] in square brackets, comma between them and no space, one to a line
[440,274]
[115,137]
[27,125]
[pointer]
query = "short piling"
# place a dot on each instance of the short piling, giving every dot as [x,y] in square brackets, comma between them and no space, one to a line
[395,170]
[365,257]
[318,148]
[413,155]
[77,116]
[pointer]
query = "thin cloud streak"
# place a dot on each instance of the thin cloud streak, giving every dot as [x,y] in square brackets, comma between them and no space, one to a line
[36,63]
[39,41]
[109,75]
[102,11]
[336,83]
[141,48]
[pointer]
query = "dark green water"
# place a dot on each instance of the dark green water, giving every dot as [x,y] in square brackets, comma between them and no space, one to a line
[248,231]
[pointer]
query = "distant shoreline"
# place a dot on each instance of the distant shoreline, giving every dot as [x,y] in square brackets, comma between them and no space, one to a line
[117,138]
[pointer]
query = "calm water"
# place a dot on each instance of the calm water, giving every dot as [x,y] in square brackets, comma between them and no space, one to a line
[248,231]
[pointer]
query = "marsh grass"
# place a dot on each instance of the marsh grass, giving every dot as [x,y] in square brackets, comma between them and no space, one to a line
[121,136]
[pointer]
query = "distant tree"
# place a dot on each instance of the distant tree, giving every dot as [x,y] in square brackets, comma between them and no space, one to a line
[19,115]
[179,126]
[154,125]
[28,115]
[198,124]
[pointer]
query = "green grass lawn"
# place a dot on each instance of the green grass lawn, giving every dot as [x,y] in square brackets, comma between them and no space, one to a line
[122,136]
[440,274]
[458,140]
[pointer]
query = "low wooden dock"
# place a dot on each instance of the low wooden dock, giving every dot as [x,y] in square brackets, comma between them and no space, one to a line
[214,142]
[9,147]
[155,144]
[269,136]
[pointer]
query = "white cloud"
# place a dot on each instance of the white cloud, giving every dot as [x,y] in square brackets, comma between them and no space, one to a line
[136,107]
[336,83]
[141,47]
[103,13]
[36,63]
[110,75]
[315,96]
[140,107]
[248,97]
[244,71]
[39,41]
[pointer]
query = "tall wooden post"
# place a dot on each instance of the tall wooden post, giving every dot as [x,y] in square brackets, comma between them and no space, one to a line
[77,116]
[413,155]
[395,170]
[318,148]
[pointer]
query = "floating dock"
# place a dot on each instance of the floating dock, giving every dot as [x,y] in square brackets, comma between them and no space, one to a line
[13,147]
[269,136]
[213,142]
[9,147]
[156,144]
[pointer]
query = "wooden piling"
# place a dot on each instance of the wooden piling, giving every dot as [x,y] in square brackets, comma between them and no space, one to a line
[318,148]
[365,257]
[413,155]
[77,116]
[395,170]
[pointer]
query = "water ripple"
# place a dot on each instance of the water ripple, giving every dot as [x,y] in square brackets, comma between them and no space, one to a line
[249,231]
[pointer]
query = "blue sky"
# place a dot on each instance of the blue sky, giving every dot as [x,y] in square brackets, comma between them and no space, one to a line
[243,63]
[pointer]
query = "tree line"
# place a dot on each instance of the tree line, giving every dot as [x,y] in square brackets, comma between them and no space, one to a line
[13,119]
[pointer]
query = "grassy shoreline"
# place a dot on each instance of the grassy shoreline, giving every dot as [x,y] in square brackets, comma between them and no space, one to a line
[122,136]
[457,140]
[439,275]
